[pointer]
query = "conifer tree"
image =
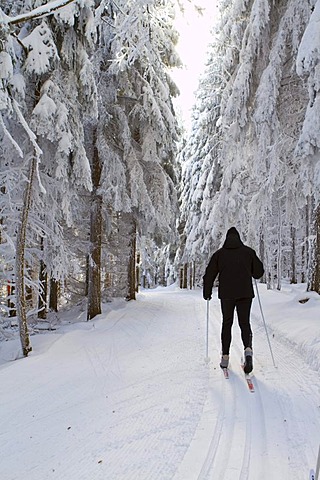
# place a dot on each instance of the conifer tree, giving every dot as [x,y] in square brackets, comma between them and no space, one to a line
[137,141]
[266,135]
[40,55]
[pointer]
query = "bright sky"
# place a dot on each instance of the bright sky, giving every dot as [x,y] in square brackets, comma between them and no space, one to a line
[194,30]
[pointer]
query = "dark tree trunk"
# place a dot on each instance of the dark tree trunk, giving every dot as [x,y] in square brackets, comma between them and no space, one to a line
[138,281]
[54,294]
[293,256]
[310,230]
[181,277]
[10,304]
[94,267]
[132,282]
[43,285]
[185,275]
[86,292]
[304,250]
[192,275]
[315,284]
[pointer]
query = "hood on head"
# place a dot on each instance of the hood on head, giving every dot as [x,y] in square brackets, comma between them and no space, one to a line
[232,239]
[233,231]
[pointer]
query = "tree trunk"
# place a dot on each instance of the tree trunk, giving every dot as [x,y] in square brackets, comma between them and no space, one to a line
[20,264]
[86,291]
[94,268]
[310,241]
[132,264]
[43,288]
[293,256]
[279,249]
[304,250]
[185,276]
[138,272]
[53,298]
[181,277]
[10,304]
[192,275]
[315,284]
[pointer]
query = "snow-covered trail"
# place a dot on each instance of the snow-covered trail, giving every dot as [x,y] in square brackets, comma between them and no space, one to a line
[129,397]
[272,433]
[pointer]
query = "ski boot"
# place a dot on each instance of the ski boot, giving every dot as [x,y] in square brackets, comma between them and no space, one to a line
[224,363]
[248,363]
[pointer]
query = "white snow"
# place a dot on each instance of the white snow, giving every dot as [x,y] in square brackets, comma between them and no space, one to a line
[6,67]
[309,48]
[40,11]
[129,396]
[41,50]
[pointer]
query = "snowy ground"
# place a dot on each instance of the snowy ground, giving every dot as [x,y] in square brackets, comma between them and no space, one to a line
[129,397]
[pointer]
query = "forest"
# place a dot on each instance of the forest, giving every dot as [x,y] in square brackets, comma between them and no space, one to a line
[103,190]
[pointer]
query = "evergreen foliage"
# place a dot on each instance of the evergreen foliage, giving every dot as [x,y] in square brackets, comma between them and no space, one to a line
[85,88]
[266,129]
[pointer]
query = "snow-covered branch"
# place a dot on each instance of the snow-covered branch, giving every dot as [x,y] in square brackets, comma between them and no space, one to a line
[38,12]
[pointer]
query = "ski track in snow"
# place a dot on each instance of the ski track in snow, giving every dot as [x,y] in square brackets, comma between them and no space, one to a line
[129,397]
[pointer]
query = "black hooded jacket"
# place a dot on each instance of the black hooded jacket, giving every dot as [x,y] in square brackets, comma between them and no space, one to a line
[236,264]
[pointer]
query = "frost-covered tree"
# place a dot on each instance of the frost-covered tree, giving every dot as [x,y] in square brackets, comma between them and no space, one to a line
[308,146]
[200,166]
[45,90]
[268,183]
[201,157]
[137,126]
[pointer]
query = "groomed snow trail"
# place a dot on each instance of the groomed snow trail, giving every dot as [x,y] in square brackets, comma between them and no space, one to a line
[129,397]
[270,434]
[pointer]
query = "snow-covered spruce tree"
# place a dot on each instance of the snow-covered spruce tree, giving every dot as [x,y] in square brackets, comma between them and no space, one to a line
[201,177]
[40,50]
[137,127]
[71,94]
[308,147]
[261,115]
[201,156]
[19,163]
[245,39]
[278,116]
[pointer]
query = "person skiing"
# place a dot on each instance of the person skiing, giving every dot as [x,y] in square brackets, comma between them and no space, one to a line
[236,264]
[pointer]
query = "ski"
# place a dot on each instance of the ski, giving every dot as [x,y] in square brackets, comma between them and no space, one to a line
[312,475]
[248,378]
[249,383]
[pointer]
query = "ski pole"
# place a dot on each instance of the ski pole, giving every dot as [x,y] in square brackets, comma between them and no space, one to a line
[207,359]
[318,466]
[264,322]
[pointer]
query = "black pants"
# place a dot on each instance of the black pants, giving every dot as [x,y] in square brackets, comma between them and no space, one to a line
[243,307]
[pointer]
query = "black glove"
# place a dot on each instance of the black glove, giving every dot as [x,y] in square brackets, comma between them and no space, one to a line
[207,298]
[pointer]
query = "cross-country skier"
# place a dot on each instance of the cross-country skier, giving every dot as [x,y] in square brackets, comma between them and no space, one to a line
[236,264]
